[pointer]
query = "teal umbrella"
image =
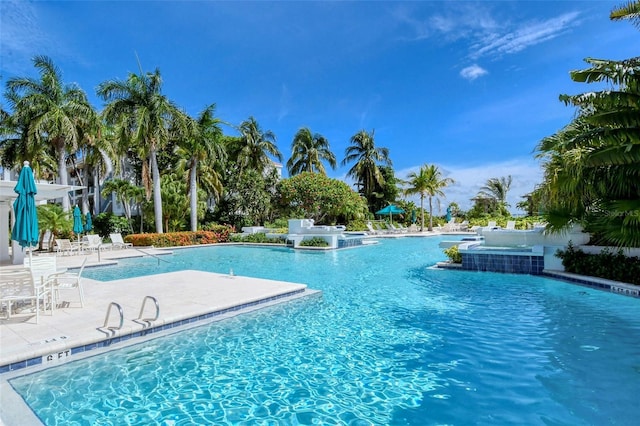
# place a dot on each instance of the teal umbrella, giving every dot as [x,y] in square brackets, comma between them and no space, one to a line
[88,226]
[25,229]
[390,210]
[77,222]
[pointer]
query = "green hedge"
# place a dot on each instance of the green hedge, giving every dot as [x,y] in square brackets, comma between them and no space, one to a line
[259,237]
[608,265]
[314,242]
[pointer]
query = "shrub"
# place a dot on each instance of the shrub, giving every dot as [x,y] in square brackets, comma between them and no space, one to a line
[357,225]
[314,242]
[608,265]
[179,239]
[259,238]
[453,254]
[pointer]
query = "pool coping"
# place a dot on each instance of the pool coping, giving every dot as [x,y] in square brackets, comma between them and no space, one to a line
[13,408]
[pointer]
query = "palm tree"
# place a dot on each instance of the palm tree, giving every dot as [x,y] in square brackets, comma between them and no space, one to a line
[51,217]
[51,112]
[497,189]
[366,171]
[143,115]
[256,146]
[630,11]
[308,151]
[202,146]
[592,166]
[125,193]
[428,182]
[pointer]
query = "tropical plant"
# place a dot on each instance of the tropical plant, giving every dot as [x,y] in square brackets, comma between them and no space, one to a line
[255,147]
[126,193]
[201,151]
[51,217]
[427,182]
[308,152]
[592,166]
[143,116]
[318,197]
[247,198]
[51,113]
[629,10]
[497,189]
[368,158]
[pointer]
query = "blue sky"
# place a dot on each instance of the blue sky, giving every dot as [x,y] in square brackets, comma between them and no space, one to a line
[469,86]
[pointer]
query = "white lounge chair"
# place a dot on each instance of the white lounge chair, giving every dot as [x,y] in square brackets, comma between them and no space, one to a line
[92,242]
[117,242]
[511,224]
[65,246]
[67,281]
[372,231]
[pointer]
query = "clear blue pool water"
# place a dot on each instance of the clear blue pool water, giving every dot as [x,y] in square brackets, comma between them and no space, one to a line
[390,342]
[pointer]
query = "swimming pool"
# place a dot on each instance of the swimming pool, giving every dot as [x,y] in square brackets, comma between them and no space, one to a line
[390,342]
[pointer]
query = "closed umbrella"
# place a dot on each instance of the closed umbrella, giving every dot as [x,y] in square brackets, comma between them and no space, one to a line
[88,226]
[391,209]
[77,222]
[25,229]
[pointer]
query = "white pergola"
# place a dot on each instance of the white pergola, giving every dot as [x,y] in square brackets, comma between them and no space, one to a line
[46,191]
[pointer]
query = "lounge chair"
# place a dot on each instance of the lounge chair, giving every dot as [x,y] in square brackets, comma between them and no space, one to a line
[511,224]
[65,246]
[372,231]
[67,281]
[92,242]
[20,286]
[118,243]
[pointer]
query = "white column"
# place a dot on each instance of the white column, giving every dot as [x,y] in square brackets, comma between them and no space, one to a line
[5,227]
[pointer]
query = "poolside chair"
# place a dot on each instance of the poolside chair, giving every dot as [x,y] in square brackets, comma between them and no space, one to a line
[117,242]
[371,229]
[511,224]
[67,281]
[18,286]
[65,246]
[92,243]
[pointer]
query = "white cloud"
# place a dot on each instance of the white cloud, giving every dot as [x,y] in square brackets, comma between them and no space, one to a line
[285,101]
[513,40]
[472,72]
[526,174]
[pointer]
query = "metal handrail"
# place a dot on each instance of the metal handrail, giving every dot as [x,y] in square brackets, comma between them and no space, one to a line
[144,302]
[152,255]
[106,318]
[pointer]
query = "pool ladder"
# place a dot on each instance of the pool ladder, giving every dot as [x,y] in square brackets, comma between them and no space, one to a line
[140,319]
[144,302]
[106,318]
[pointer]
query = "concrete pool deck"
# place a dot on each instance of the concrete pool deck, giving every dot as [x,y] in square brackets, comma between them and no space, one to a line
[185,297]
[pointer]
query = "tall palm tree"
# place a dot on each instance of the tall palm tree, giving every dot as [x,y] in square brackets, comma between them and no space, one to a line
[137,107]
[255,146]
[368,157]
[52,112]
[497,189]
[428,182]
[202,143]
[308,152]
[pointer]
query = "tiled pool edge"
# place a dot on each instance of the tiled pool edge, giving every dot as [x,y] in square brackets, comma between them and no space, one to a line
[616,287]
[189,321]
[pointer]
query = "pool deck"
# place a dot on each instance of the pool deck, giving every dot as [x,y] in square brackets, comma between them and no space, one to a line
[185,298]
